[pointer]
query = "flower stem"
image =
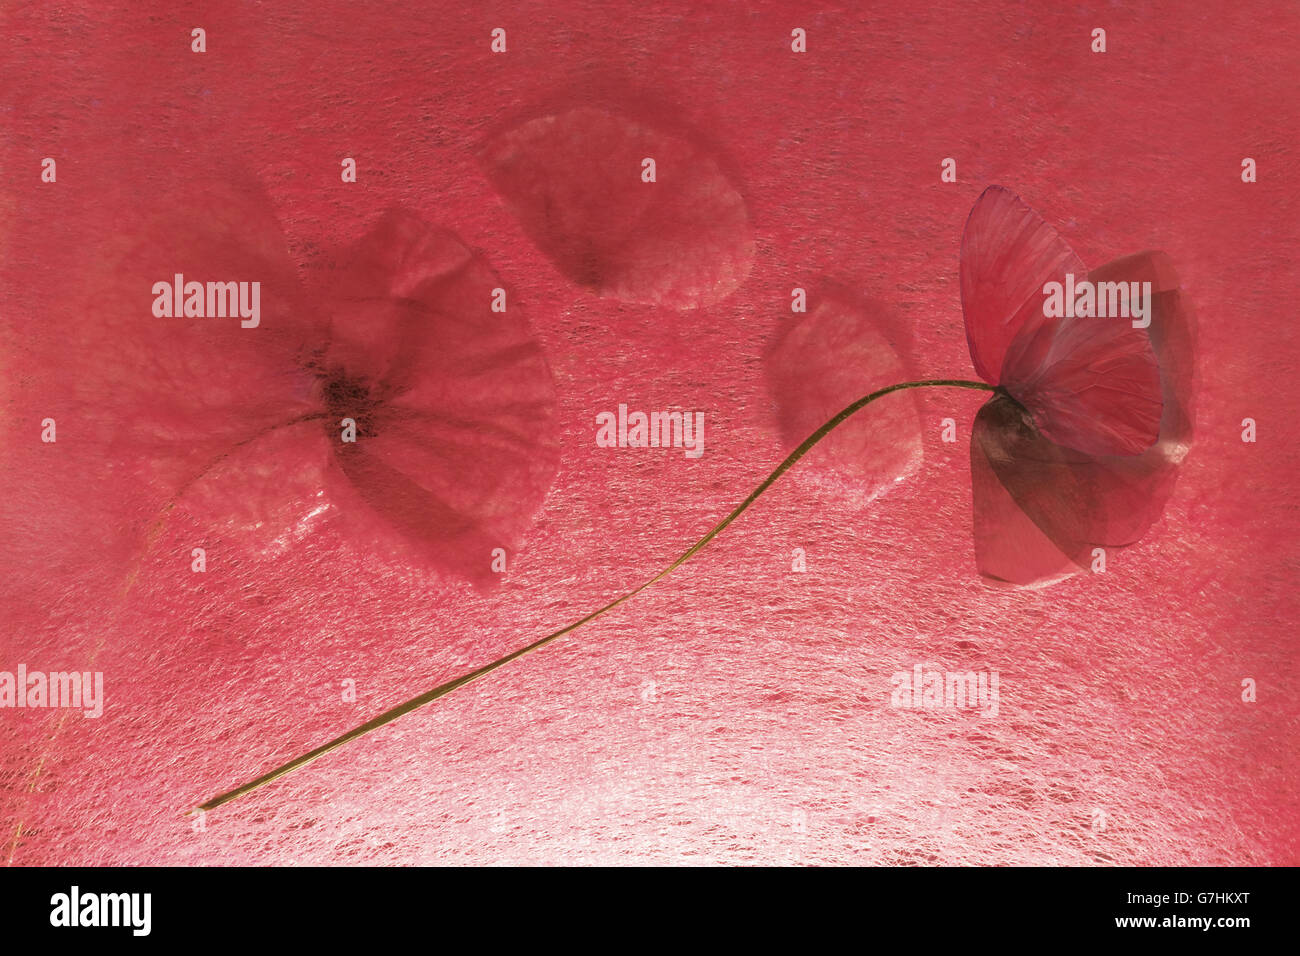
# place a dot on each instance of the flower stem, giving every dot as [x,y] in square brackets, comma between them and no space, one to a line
[155,529]
[443,690]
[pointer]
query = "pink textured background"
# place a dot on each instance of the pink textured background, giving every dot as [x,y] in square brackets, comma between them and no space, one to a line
[769,708]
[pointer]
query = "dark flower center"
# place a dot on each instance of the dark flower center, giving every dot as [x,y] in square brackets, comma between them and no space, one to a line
[345,396]
[1015,415]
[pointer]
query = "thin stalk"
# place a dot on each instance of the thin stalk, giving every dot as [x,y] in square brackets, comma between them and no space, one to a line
[442,690]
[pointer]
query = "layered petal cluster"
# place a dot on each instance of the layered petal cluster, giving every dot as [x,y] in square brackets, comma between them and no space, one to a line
[453,402]
[1078,448]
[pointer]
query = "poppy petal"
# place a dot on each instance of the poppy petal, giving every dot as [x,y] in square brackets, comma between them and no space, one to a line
[1172,335]
[824,361]
[1008,253]
[442,530]
[1130,491]
[456,421]
[1009,548]
[1079,501]
[380,291]
[575,180]
[179,387]
[148,402]
[1092,383]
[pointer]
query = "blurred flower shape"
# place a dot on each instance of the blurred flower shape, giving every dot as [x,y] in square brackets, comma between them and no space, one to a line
[577,181]
[1078,448]
[453,403]
[819,363]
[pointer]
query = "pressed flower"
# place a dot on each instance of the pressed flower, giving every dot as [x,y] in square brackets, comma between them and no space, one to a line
[453,403]
[1077,448]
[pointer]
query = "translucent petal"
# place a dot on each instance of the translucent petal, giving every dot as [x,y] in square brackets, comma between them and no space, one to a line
[1009,548]
[823,361]
[182,387]
[1091,382]
[148,405]
[1007,255]
[454,403]
[575,181]
[1076,501]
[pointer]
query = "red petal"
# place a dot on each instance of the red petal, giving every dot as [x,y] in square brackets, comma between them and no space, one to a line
[574,180]
[1007,254]
[824,361]
[1069,500]
[148,408]
[1009,548]
[1092,383]
[381,291]
[1079,501]
[181,386]
[1172,335]
[462,447]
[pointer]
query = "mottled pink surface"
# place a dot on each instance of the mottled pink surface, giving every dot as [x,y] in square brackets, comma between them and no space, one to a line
[737,712]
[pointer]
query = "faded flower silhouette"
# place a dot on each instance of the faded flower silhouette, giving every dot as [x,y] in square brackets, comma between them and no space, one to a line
[453,403]
[577,181]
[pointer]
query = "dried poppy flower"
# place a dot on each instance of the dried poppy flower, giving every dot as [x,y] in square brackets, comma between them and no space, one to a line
[452,404]
[1078,448]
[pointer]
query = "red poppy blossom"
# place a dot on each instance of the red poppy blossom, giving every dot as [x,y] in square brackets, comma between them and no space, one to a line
[454,402]
[242,427]
[1078,448]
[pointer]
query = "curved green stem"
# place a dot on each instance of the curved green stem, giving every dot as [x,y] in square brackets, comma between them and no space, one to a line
[443,690]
